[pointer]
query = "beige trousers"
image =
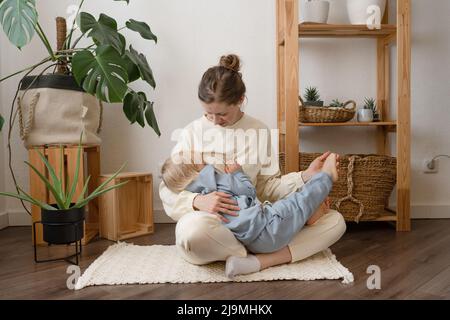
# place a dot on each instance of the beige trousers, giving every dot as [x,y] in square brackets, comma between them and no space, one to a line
[201,238]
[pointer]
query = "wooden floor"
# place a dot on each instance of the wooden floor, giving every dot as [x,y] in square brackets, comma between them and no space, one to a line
[414,265]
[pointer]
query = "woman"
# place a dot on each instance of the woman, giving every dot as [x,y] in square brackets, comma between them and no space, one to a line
[200,236]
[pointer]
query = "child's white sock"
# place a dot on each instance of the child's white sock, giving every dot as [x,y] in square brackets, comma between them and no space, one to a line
[237,265]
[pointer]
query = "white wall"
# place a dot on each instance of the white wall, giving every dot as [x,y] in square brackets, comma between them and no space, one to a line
[192,36]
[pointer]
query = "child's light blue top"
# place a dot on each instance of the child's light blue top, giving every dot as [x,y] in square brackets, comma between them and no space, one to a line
[246,226]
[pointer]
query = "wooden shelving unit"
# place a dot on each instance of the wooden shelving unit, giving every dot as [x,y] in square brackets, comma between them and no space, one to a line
[289,32]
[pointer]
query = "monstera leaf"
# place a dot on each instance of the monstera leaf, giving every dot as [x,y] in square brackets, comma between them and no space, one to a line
[141,62]
[103,74]
[142,28]
[137,108]
[103,31]
[18,18]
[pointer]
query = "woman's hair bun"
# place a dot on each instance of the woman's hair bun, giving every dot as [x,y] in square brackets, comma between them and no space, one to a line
[231,62]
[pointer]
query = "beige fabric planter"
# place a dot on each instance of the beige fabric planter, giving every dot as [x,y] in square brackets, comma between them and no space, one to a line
[54,110]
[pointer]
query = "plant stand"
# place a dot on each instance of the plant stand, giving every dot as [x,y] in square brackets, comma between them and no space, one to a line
[89,166]
[78,244]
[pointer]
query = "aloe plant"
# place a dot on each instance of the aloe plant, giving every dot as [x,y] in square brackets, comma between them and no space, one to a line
[369,103]
[64,197]
[104,68]
[312,94]
[336,104]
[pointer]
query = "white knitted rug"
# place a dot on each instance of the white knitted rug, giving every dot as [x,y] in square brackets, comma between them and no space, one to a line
[125,263]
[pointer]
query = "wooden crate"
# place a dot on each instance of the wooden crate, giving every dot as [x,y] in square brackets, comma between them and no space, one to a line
[127,212]
[89,166]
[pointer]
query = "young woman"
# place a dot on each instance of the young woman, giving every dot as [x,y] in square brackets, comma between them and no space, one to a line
[200,236]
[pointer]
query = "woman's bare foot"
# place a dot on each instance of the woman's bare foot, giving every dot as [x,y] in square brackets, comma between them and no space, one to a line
[330,166]
[321,211]
[317,215]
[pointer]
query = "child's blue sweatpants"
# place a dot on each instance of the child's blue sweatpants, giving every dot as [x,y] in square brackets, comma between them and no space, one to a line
[282,220]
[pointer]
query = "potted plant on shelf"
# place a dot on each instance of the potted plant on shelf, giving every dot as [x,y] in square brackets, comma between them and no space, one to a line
[336,104]
[59,218]
[101,69]
[312,97]
[369,112]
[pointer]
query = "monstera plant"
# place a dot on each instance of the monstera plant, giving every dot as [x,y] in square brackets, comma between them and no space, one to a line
[104,67]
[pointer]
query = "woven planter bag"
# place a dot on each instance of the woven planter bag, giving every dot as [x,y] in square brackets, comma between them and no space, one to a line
[54,110]
[364,186]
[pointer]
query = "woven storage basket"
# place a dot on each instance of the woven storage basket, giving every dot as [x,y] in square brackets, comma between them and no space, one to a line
[364,186]
[311,114]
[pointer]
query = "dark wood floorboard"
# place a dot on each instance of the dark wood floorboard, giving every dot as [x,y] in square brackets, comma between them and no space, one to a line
[414,265]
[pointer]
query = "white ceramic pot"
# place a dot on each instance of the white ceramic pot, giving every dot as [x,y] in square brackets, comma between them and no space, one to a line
[314,11]
[365,115]
[359,10]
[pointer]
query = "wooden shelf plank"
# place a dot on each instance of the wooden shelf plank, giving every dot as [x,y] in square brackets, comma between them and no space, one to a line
[350,124]
[317,30]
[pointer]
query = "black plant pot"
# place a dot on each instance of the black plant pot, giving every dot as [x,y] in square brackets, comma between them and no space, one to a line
[54,81]
[63,226]
[314,103]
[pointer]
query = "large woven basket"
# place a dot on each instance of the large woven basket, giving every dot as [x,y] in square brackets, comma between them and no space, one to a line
[312,114]
[364,186]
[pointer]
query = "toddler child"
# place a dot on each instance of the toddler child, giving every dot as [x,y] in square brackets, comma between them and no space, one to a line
[261,227]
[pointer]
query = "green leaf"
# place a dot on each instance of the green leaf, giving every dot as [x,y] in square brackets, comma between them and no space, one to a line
[132,104]
[37,202]
[97,194]
[100,189]
[103,31]
[144,68]
[57,184]
[49,186]
[18,18]
[2,121]
[75,179]
[83,192]
[142,28]
[150,117]
[103,75]
[140,118]
[138,109]
[28,199]
[132,69]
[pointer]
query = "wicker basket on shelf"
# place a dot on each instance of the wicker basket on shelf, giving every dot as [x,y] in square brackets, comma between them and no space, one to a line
[312,114]
[364,186]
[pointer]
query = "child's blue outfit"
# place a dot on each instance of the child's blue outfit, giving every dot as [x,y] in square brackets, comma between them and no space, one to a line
[264,227]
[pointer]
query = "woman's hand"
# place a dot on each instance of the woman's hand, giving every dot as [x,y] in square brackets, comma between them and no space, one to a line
[316,166]
[216,203]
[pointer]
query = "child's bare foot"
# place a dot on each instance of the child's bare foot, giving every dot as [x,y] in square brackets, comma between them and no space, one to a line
[330,166]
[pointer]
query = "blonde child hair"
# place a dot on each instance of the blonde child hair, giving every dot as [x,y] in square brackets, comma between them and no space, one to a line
[180,170]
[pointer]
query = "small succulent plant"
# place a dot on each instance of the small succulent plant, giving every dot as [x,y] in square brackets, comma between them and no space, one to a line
[369,103]
[312,94]
[336,104]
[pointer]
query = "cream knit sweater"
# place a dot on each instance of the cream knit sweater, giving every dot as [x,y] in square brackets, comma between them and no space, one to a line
[203,136]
